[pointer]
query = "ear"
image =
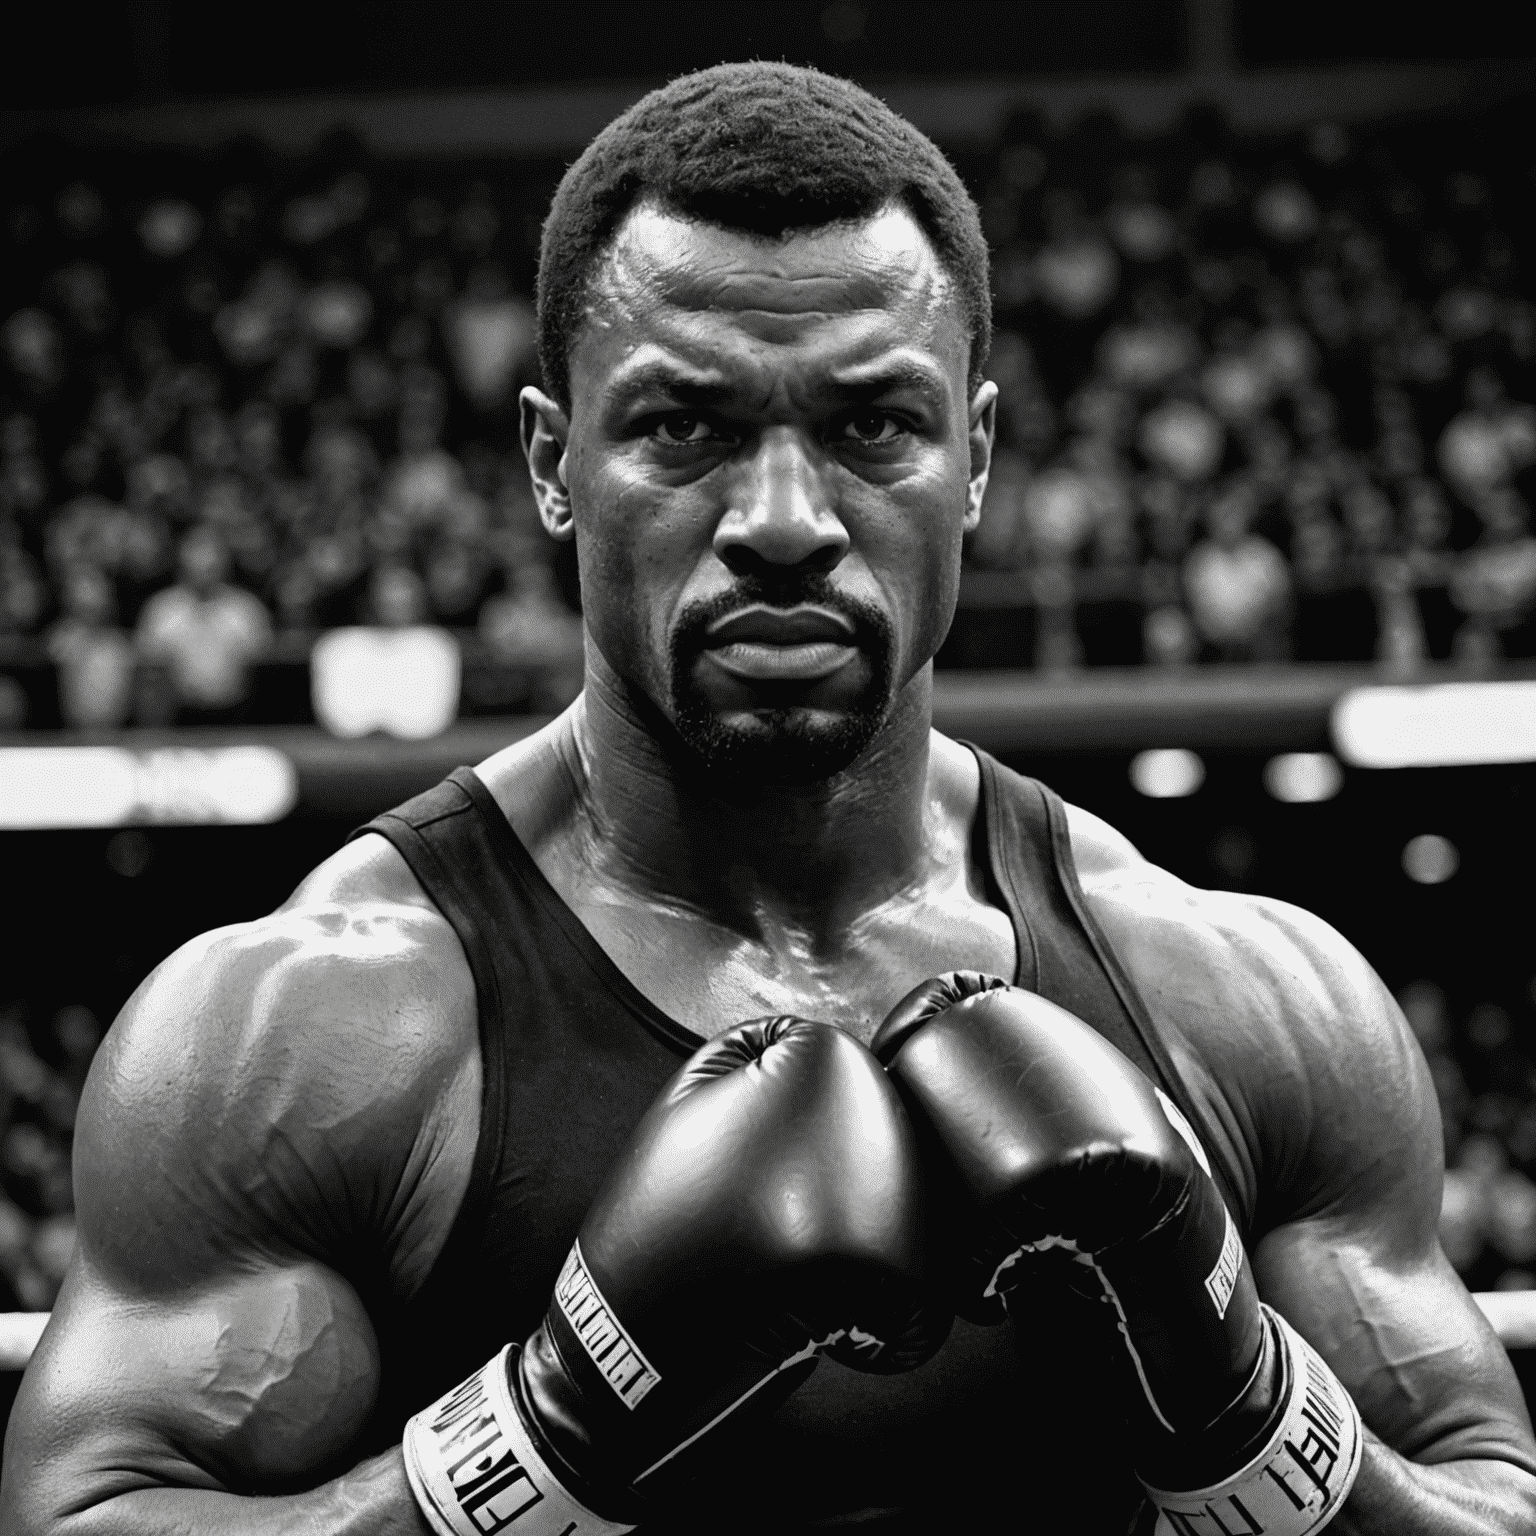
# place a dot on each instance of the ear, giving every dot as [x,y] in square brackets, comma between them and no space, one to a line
[982,430]
[545,429]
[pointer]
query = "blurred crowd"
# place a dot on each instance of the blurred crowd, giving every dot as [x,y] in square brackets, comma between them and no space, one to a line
[1480,1059]
[246,400]
[42,1068]
[1262,399]
[1275,394]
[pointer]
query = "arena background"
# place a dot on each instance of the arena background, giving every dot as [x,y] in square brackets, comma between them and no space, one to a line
[270,278]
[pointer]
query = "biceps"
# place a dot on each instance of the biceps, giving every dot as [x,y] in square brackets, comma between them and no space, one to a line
[254,1383]
[1429,1375]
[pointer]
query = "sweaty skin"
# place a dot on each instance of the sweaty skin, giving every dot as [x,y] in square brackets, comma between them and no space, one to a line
[282,1121]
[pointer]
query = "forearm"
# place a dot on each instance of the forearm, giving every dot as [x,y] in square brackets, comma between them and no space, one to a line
[1393,1496]
[373,1499]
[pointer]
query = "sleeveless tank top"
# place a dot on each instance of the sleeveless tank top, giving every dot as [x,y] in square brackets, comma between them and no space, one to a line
[1009,1427]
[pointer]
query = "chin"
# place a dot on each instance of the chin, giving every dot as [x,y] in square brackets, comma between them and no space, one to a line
[792,747]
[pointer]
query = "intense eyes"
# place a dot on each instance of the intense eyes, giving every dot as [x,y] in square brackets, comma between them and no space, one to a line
[680,429]
[871,427]
[865,429]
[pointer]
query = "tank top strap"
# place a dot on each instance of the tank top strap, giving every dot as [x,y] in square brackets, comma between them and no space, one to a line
[1070,959]
[451,849]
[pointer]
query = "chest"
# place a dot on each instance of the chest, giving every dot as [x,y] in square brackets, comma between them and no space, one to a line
[710,977]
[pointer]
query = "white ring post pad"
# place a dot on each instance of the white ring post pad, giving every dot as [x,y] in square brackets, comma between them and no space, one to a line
[475,1471]
[1300,1479]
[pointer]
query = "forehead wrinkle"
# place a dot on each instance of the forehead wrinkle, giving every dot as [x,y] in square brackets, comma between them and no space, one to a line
[660,257]
[746,290]
[830,293]
[704,297]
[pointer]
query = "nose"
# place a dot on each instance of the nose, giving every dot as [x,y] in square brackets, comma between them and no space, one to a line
[781,511]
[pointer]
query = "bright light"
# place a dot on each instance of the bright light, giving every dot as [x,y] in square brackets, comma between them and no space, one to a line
[1440,725]
[47,787]
[1303,778]
[1430,859]
[404,682]
[1169,773]
[66,786]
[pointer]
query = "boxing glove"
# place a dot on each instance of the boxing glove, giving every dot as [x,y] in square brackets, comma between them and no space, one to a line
[1054,1145]
[768,1209]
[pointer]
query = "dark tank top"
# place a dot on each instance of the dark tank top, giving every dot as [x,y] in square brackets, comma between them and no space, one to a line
[1010,1428]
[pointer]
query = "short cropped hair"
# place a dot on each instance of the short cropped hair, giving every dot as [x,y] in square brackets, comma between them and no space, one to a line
[761,147]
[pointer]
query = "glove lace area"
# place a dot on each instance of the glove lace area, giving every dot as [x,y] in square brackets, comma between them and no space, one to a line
[1301,1475]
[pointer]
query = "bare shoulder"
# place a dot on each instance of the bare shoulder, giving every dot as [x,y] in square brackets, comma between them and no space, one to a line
[310,1079]
[1098,849]
[1278,1022]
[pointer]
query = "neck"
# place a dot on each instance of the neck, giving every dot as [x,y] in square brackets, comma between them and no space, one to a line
[753,857]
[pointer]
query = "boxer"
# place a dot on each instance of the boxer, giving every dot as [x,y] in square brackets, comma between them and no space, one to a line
[331,1163]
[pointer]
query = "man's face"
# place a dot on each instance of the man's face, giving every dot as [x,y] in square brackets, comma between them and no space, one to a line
[769,463]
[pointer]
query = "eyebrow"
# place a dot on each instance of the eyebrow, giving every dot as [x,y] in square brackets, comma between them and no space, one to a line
[901,372]
[664,378]
[864,382]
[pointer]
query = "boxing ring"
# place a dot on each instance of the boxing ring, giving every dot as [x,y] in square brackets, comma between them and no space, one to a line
[1511,1313]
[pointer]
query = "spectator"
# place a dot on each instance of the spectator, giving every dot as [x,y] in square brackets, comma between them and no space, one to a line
[397,598]
[1237,582]
[93,656]
[1059,515]
[1143,229]
[425,480]
[1182,438]
[1427,525]
[1401,646]
[455,582]
[1168,634]
[999,541]
[205,633]
[1155,348]
[1236,382]
[399,674]
[1076,271]
[23,596]
[529,628]
[1491,441]
[1494,584]
[34,348]
[37,1112]
[23,475]
[490,334]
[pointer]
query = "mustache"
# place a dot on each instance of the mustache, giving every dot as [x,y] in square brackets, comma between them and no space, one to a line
[870,625]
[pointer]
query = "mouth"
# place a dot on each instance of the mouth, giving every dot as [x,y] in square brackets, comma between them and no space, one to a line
[762,644]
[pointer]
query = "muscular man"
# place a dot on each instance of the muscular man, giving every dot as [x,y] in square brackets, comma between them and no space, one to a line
[331,1161]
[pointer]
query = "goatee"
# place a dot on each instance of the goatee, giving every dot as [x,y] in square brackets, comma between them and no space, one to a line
[784,741]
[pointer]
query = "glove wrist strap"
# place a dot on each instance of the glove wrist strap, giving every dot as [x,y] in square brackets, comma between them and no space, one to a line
[1303,1472]
[475,1470]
